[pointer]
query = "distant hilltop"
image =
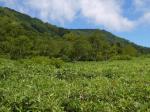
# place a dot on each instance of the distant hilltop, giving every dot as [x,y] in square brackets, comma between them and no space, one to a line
[22,36]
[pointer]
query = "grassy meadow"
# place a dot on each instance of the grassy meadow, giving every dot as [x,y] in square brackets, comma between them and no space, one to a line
[51,85]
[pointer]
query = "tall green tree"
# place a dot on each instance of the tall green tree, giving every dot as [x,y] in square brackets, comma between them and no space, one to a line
[81,50]
[129,50]
[20,47]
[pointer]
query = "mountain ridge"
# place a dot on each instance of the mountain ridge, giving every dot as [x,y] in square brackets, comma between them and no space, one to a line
[84,29]
[34,29]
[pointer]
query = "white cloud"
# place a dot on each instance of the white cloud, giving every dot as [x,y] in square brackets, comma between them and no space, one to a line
[145,19]
[62,10]
[101,12]
[143,7]
[108,13]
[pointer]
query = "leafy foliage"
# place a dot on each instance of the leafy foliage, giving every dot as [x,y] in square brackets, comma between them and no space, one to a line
[26,37]
[38,80]
[37,85]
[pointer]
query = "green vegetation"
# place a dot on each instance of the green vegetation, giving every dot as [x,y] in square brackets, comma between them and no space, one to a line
[44,68]
[26,37]
[50,85]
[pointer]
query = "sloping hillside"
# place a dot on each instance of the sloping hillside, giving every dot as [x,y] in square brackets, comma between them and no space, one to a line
[22,36]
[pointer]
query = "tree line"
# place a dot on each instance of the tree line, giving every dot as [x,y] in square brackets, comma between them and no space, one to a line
[25,37]
[69,47]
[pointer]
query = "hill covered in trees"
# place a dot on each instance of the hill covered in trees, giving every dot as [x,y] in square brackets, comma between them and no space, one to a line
[23,37]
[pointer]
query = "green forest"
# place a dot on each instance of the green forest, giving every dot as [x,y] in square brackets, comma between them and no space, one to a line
[24,37]
[45,68]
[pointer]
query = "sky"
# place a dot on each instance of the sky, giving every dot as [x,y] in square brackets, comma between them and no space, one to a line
[129,19]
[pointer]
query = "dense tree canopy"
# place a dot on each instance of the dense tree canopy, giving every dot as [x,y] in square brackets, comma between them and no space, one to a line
[22,37]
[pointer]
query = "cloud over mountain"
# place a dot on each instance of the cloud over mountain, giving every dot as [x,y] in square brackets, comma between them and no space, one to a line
[108,13]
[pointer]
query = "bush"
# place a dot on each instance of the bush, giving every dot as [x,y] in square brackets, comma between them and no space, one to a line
[40,60]
[51,61]
[121,57]
[66,58]
[146,56]
[4,56]
[58,63]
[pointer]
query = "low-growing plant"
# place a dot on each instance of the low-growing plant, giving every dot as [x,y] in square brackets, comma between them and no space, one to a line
[25,105]
[108,73]
[66,74]
[71,105]
[39,85]
[5,72]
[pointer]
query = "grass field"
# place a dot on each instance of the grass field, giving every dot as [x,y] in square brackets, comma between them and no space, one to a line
[43,85]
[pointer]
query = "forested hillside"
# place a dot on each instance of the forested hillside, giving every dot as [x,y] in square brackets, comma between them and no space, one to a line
[23,37]
[45,68]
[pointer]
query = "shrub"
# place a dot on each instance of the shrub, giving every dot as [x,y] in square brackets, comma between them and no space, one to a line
[121,57]
[66,58]
[58,63]
[40,60]
[45,60]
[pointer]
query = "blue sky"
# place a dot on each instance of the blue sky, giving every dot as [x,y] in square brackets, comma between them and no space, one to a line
[129,19]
